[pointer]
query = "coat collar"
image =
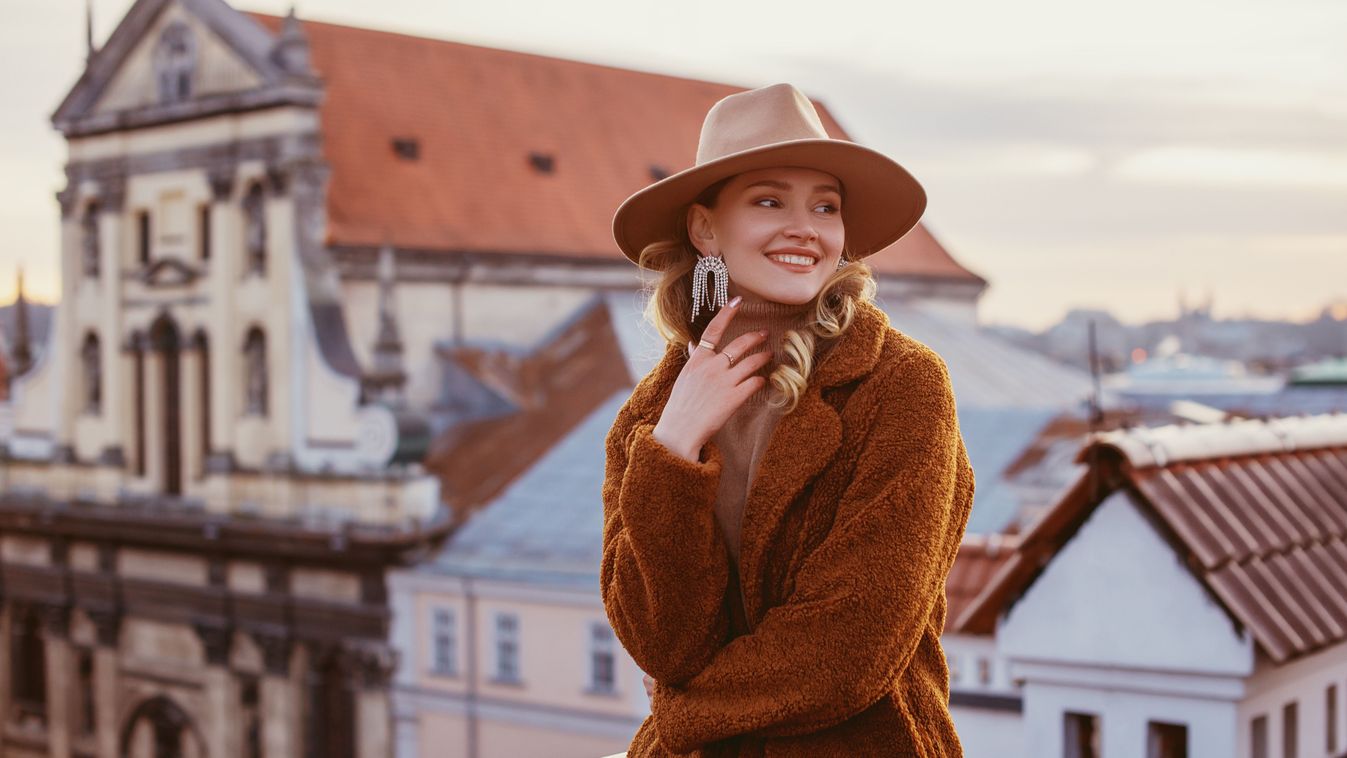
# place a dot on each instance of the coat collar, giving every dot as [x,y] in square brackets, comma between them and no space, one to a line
[814,428]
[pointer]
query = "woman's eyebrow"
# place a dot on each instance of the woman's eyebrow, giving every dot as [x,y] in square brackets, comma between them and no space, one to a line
[785,186]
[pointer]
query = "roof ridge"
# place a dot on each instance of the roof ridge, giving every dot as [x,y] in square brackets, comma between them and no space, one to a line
[1159,446]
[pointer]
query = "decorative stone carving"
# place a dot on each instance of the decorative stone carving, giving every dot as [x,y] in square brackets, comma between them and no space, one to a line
[107,623]
[55,620]
[276,648]
[221,180]
[216,640]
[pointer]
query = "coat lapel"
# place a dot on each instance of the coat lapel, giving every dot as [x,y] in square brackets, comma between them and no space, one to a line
[801,446]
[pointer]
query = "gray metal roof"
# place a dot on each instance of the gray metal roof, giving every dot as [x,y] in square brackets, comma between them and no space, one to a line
[986,369]
[547,527]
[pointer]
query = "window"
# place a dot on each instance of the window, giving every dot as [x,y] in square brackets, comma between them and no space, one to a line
[602,663]
[954,671]
[203,348]
[330,713]
[1081,736]
[984,670]
[443,642]
[84,715]
[89,240]
[92,369]
[507,647]
[28,676]
[203,232]
[143,235]
[255,378]
[1166,740]
[174,60]
[255,229]
[139,379]
[1258,737]
[1290,729]
[250,718]
[1331,718]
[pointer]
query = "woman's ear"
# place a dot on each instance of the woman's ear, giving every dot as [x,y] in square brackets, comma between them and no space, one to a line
[699,228]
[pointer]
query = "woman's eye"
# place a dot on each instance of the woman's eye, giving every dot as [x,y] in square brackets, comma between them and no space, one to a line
[767,202]
[827,208]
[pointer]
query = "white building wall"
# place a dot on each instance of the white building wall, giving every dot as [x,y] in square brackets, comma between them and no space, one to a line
[1304,681]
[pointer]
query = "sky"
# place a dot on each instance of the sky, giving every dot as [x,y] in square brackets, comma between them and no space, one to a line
[1075,154]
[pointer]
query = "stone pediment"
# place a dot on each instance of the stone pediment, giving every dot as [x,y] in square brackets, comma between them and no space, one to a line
[170,60]
[169,272]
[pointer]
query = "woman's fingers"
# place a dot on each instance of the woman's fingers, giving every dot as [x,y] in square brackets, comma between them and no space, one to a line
[715,329]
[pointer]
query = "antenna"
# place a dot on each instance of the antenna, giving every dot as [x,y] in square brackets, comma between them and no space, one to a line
[89,30]
[1095,419]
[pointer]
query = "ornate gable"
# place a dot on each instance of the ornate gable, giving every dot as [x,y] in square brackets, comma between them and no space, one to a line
[170,60]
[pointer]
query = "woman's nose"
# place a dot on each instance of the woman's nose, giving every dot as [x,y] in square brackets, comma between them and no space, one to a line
[801,227]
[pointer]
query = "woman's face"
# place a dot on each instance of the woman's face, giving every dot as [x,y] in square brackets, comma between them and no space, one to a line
[763,222]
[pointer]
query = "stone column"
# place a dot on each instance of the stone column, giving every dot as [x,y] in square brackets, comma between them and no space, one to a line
[56,644]
[375,665]
[220,730]
[281,725]
[112,228]
[108,625]
[6,625]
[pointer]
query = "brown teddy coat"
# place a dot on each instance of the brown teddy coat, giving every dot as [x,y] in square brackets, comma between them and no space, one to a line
[849,532]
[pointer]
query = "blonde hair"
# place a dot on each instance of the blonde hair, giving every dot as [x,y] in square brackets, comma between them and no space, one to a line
[669,306]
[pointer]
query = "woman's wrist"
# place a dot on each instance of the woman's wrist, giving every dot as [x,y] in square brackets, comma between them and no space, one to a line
[683,449]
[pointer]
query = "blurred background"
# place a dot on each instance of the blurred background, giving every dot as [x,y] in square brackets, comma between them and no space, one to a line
[312,328]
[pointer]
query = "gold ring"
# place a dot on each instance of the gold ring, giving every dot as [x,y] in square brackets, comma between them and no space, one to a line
[708,345]
[731,357]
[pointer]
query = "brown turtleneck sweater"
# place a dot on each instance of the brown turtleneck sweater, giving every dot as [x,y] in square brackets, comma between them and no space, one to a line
[744,437]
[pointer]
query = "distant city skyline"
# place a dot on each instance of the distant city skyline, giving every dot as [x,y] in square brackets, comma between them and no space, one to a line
[1076,158]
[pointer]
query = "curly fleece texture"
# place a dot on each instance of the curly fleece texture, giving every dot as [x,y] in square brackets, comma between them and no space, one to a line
[849,532]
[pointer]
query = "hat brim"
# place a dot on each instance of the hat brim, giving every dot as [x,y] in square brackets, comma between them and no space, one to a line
[883,201]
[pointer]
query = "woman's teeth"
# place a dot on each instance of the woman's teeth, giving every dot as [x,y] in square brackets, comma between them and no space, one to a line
[799,260]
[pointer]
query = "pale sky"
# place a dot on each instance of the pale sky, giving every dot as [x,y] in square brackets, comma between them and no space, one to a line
[1075,154]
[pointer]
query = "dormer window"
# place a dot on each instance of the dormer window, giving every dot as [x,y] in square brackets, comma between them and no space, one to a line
[407,148]
[174,63]
[543,163]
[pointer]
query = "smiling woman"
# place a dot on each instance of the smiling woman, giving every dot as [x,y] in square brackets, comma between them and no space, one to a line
[786,490]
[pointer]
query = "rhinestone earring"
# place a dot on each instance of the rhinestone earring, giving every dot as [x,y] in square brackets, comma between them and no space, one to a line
[709,264]
[842,262]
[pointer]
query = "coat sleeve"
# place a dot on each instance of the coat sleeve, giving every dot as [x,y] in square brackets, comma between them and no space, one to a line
[665,566]
[862,599]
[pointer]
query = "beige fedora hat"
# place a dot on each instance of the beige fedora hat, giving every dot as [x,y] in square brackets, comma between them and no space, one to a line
[772,127]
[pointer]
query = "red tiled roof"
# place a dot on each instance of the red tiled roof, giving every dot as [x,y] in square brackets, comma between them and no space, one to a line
[477,114]
[980,556]
[1258,508]
[555,387]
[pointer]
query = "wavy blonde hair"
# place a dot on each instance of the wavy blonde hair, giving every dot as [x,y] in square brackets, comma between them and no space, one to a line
[669,305]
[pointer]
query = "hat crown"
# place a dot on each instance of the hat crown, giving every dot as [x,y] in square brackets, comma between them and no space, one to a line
[757,118]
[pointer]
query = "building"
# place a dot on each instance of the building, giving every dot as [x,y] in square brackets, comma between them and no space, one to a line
[202,488]
[1185,597]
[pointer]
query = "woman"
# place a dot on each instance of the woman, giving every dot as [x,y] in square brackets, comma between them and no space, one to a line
[786,490]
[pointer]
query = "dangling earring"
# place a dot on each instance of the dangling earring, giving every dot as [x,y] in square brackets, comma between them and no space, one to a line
[709,264]
[842,262]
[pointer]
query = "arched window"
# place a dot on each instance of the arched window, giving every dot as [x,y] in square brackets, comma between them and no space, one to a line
[27,672]
[174,62]
[255,376]
[91,361]
[330,724]
[89,240]
[255,228]
[203,350]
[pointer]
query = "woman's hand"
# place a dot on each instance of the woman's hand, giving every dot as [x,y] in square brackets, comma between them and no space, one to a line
[709,390]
